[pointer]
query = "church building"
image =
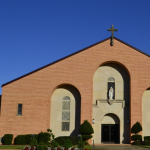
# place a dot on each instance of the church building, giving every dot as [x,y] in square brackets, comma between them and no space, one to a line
[107,83]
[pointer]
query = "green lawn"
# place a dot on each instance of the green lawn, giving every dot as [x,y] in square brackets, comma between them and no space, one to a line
[12,146]
[22,146]
[146,146]
[88,147]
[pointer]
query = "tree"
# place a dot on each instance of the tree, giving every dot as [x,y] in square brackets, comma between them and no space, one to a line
[86,130]
[136,128]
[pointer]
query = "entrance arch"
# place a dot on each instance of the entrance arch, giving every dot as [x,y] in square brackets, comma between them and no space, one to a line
[146,112]
[107,76]
[110,129]
[65,111]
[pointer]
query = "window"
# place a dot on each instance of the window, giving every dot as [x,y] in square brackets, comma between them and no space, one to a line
[19,109]
[111,83]
[66,113]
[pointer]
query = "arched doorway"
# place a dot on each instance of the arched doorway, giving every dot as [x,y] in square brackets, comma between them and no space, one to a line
[146,112]
[65,111]
[111,76]
[110,129]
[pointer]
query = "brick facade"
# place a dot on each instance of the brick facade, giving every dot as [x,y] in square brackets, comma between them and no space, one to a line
[34,90]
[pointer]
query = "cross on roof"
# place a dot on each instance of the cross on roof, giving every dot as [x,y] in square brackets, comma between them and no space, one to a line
[112,34]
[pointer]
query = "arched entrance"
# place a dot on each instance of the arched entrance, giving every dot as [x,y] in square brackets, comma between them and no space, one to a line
[111,76]
[146,112]
[65,111]
[110,129]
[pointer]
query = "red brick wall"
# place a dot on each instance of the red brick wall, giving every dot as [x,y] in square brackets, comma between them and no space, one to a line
[34,91]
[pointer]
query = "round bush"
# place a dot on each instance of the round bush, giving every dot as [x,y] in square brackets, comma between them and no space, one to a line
[86,137]
[86,128]
[136,137]
[136,128]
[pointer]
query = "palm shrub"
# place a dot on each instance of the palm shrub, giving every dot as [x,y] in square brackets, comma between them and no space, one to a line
[136,128]
[86,130]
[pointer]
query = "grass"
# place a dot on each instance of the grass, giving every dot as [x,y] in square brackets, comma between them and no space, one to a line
[22,146]
[146,146]
[12,146]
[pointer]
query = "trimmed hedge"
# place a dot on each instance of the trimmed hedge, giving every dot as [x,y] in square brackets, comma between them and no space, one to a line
[86,137]
[136,143]
[86,128]
[136,137]
[7,139]
[136,128]
[61,140]
[147,140]
[43,137]
[24,139]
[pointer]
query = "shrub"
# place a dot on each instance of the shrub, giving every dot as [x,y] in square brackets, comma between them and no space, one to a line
[24,139]
[136,137]
[81,143]
[61,139]
[86,130]
[33,142]
[7,139]
[147,140]
[43,137]
[67,143]
[41,146]
[54,143]
[51,135]
[86,137]
[136,143]
[136,128]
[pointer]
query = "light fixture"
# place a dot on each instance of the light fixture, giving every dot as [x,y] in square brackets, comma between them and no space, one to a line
[79,136]
[93,121]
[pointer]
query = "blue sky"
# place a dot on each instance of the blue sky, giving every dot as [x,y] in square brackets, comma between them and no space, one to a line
[34,33]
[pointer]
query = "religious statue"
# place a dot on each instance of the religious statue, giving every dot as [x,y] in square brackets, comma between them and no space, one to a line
[111,93]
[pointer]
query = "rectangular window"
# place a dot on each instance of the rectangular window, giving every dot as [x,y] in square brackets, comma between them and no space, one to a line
[65,126]
[19,109]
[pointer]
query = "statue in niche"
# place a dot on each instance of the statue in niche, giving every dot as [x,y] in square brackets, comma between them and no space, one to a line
[111,93]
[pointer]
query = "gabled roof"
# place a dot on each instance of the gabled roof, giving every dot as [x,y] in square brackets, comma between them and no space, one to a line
[72,55]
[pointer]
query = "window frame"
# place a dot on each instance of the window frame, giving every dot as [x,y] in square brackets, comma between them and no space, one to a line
[19,114]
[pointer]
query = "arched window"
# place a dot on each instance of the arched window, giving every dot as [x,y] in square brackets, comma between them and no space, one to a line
[111,79]
[66,113]
[111,83]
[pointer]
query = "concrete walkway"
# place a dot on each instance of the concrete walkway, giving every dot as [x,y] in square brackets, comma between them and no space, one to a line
[119,147]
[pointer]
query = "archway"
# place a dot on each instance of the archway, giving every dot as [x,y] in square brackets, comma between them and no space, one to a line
[65,111]
[146,112]
[110,129]
[112,75]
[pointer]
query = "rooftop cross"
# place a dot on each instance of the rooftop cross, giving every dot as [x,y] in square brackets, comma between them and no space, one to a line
[112,34]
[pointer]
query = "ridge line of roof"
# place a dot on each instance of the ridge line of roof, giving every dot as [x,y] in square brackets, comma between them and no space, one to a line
[72,55]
